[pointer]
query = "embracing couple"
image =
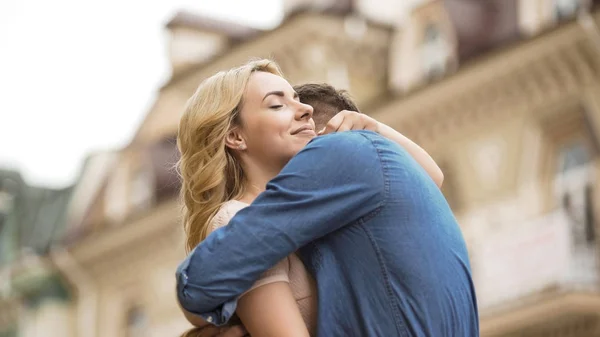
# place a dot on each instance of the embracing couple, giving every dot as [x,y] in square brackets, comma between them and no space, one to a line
[305,217]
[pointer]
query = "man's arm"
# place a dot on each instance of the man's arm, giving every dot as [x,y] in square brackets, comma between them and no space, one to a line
[334,181]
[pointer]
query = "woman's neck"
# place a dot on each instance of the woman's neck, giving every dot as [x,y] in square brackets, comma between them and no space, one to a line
[250,193]
[256,181]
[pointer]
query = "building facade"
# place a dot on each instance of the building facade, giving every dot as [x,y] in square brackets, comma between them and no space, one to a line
[505,95]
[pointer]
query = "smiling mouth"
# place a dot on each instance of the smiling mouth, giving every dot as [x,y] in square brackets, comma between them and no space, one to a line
[306,130]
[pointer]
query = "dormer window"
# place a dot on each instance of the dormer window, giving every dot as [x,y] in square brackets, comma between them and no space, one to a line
[565,9]
[434,52]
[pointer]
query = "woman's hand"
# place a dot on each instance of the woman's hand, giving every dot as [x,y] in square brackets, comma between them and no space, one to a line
[346,120]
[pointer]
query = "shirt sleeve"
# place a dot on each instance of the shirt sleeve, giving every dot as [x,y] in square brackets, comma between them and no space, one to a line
[279,273]
[334,181]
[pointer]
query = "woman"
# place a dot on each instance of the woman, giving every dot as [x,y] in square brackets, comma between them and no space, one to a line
[238,131]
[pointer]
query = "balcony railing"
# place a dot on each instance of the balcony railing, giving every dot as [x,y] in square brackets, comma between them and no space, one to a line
[538,257]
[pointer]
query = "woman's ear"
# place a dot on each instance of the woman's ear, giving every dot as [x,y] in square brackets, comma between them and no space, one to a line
[235,140]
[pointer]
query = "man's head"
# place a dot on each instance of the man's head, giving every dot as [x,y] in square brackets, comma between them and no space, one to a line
[326,101]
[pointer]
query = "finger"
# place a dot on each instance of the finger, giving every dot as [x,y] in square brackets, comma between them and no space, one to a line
[372,127]
[343,121]
[353,121]
[369,123]
[348,124]
[333,124]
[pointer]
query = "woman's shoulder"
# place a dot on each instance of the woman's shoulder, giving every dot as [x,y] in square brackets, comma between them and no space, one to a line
[226,212]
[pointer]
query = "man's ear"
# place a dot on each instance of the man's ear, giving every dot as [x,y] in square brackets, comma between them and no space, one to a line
[235,140]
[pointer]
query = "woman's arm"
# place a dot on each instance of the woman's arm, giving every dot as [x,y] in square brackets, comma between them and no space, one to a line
[271,311]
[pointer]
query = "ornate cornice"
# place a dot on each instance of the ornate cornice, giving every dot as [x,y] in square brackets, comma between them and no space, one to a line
[508,82]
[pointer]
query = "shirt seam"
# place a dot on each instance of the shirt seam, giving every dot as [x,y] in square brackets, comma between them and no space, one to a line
[402,329]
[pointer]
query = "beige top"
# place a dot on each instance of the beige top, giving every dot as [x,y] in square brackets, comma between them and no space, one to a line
[291,270]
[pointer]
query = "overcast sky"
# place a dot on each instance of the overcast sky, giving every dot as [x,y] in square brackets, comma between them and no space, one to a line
[78,76]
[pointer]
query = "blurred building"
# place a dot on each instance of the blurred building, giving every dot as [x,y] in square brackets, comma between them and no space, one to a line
[505,95]
[32,292]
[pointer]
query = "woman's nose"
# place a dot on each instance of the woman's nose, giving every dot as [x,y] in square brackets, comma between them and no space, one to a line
[305,111]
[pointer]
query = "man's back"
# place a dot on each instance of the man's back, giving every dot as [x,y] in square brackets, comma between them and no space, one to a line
[378,235]
[402,269]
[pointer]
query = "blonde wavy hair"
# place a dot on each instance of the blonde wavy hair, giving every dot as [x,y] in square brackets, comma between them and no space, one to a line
[210,172]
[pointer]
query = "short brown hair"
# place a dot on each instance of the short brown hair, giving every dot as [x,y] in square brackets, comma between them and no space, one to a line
[326,101]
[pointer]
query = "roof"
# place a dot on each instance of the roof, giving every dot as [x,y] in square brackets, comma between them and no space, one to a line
[37,217]
[334,11]
[42,219]
[232,30]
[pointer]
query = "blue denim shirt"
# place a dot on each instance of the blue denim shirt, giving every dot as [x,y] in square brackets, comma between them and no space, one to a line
[370,225]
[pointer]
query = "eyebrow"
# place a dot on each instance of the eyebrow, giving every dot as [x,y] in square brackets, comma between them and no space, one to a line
[278,93]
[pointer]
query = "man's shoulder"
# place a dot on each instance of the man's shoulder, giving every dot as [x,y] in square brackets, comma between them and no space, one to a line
[344,140]
[351,149]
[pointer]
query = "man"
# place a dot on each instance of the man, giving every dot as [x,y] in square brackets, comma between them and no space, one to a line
[326,101]
[369,224]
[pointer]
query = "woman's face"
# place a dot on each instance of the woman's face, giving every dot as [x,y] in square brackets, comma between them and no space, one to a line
[275,125]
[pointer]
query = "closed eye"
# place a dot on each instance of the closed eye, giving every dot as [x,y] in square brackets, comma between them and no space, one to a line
[276,107]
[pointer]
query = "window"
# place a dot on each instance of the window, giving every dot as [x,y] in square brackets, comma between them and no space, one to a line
[115,197]
[573,156]
[565,9]
[575,190]
[434,52]
[142,188]
[431,33]
[136,322]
